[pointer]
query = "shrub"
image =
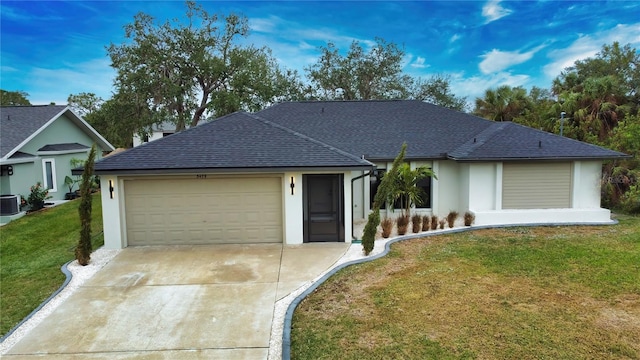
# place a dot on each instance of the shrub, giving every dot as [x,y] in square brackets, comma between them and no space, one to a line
[37,196]
[442,223]
[451,218]
[370,230]
[416,223]
[83,249]
[387,226]
[630,201]
[469,218]
[403,224]
[426,223]
[434,222]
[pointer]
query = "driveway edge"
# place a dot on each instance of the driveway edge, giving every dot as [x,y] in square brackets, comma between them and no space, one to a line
[66,282]
[288,318]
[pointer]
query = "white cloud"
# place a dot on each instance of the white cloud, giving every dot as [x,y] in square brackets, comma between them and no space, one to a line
[56,84]
[475,86]
[589,45]
[492,11]
[419,63]
[497,60]
[455,38]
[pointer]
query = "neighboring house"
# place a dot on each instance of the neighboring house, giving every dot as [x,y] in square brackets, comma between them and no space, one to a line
[158,131]
[37,144]
[304,171]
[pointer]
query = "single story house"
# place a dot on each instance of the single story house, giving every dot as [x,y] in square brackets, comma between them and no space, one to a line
[305,171]
[37,144]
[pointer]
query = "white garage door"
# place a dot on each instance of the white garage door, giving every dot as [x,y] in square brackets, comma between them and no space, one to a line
[536,186]
[212,210]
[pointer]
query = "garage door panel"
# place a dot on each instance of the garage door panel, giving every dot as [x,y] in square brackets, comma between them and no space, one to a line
[197,211]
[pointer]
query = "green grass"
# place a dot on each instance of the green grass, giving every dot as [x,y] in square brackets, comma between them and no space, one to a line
[32,250]
[516,293]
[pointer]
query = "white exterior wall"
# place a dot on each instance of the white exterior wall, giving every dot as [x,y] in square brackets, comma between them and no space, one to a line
[112,212]
[586,184]
[485,198]
[482,187]
[348,219]
[137,140]
[359,194]
[292,208]
[446,189]
[114,217]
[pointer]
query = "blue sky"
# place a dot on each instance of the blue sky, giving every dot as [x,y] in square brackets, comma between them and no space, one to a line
[51,49]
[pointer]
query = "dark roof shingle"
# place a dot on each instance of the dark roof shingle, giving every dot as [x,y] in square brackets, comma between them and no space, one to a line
[236,141]
[342,133]
[17,123]
[377,129]
[505,141]
[64,147]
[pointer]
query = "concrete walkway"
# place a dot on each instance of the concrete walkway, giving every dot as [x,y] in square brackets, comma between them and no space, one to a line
[196,302]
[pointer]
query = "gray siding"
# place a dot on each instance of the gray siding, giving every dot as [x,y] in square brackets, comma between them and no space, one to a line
[536,185]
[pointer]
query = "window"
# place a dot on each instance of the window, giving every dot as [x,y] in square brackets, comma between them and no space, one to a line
[376,178]
[425,185]
[49,174]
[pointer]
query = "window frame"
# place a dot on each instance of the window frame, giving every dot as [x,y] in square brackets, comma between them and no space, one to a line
[45,181]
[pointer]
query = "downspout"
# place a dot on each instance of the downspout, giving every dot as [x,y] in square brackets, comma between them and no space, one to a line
[353,237]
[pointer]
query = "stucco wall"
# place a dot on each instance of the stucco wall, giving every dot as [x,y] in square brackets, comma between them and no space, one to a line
[293,209]
[447,189]
[481,186]
[586,184]
[114,218]
[61,131]
[113,222]
[359,194]
[24,176]
[485,201]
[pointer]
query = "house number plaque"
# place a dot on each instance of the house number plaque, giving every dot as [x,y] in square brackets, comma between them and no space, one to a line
[201,176]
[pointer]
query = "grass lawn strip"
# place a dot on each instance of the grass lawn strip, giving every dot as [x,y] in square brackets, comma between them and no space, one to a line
[32,250]
[548,292]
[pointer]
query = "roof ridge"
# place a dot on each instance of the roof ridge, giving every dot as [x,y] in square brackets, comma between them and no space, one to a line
[479,139]
[307,138]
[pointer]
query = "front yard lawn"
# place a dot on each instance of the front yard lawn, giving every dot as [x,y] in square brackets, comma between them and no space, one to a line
[510,293]
[32,249]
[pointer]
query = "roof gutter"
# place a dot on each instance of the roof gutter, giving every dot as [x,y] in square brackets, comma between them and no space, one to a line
[176,171]
[550,159]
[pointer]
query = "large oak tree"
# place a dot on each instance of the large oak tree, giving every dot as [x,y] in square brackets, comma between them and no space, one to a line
[186,70]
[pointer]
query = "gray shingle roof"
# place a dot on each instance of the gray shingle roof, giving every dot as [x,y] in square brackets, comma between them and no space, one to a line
[377,129]
[239,141]
[64,147]
[509,141]
[17,123]
[332,134]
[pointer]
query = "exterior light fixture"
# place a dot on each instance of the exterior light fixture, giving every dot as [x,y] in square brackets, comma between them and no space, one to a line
[111,189]
[292,184]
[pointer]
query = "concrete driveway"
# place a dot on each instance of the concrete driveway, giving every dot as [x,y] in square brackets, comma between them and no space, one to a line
[196,302]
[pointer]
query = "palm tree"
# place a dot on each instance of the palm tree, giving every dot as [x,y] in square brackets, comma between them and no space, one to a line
[405,187]
[596,109]
[502,104]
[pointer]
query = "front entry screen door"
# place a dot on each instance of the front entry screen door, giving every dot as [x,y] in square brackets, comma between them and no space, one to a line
[323,208]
